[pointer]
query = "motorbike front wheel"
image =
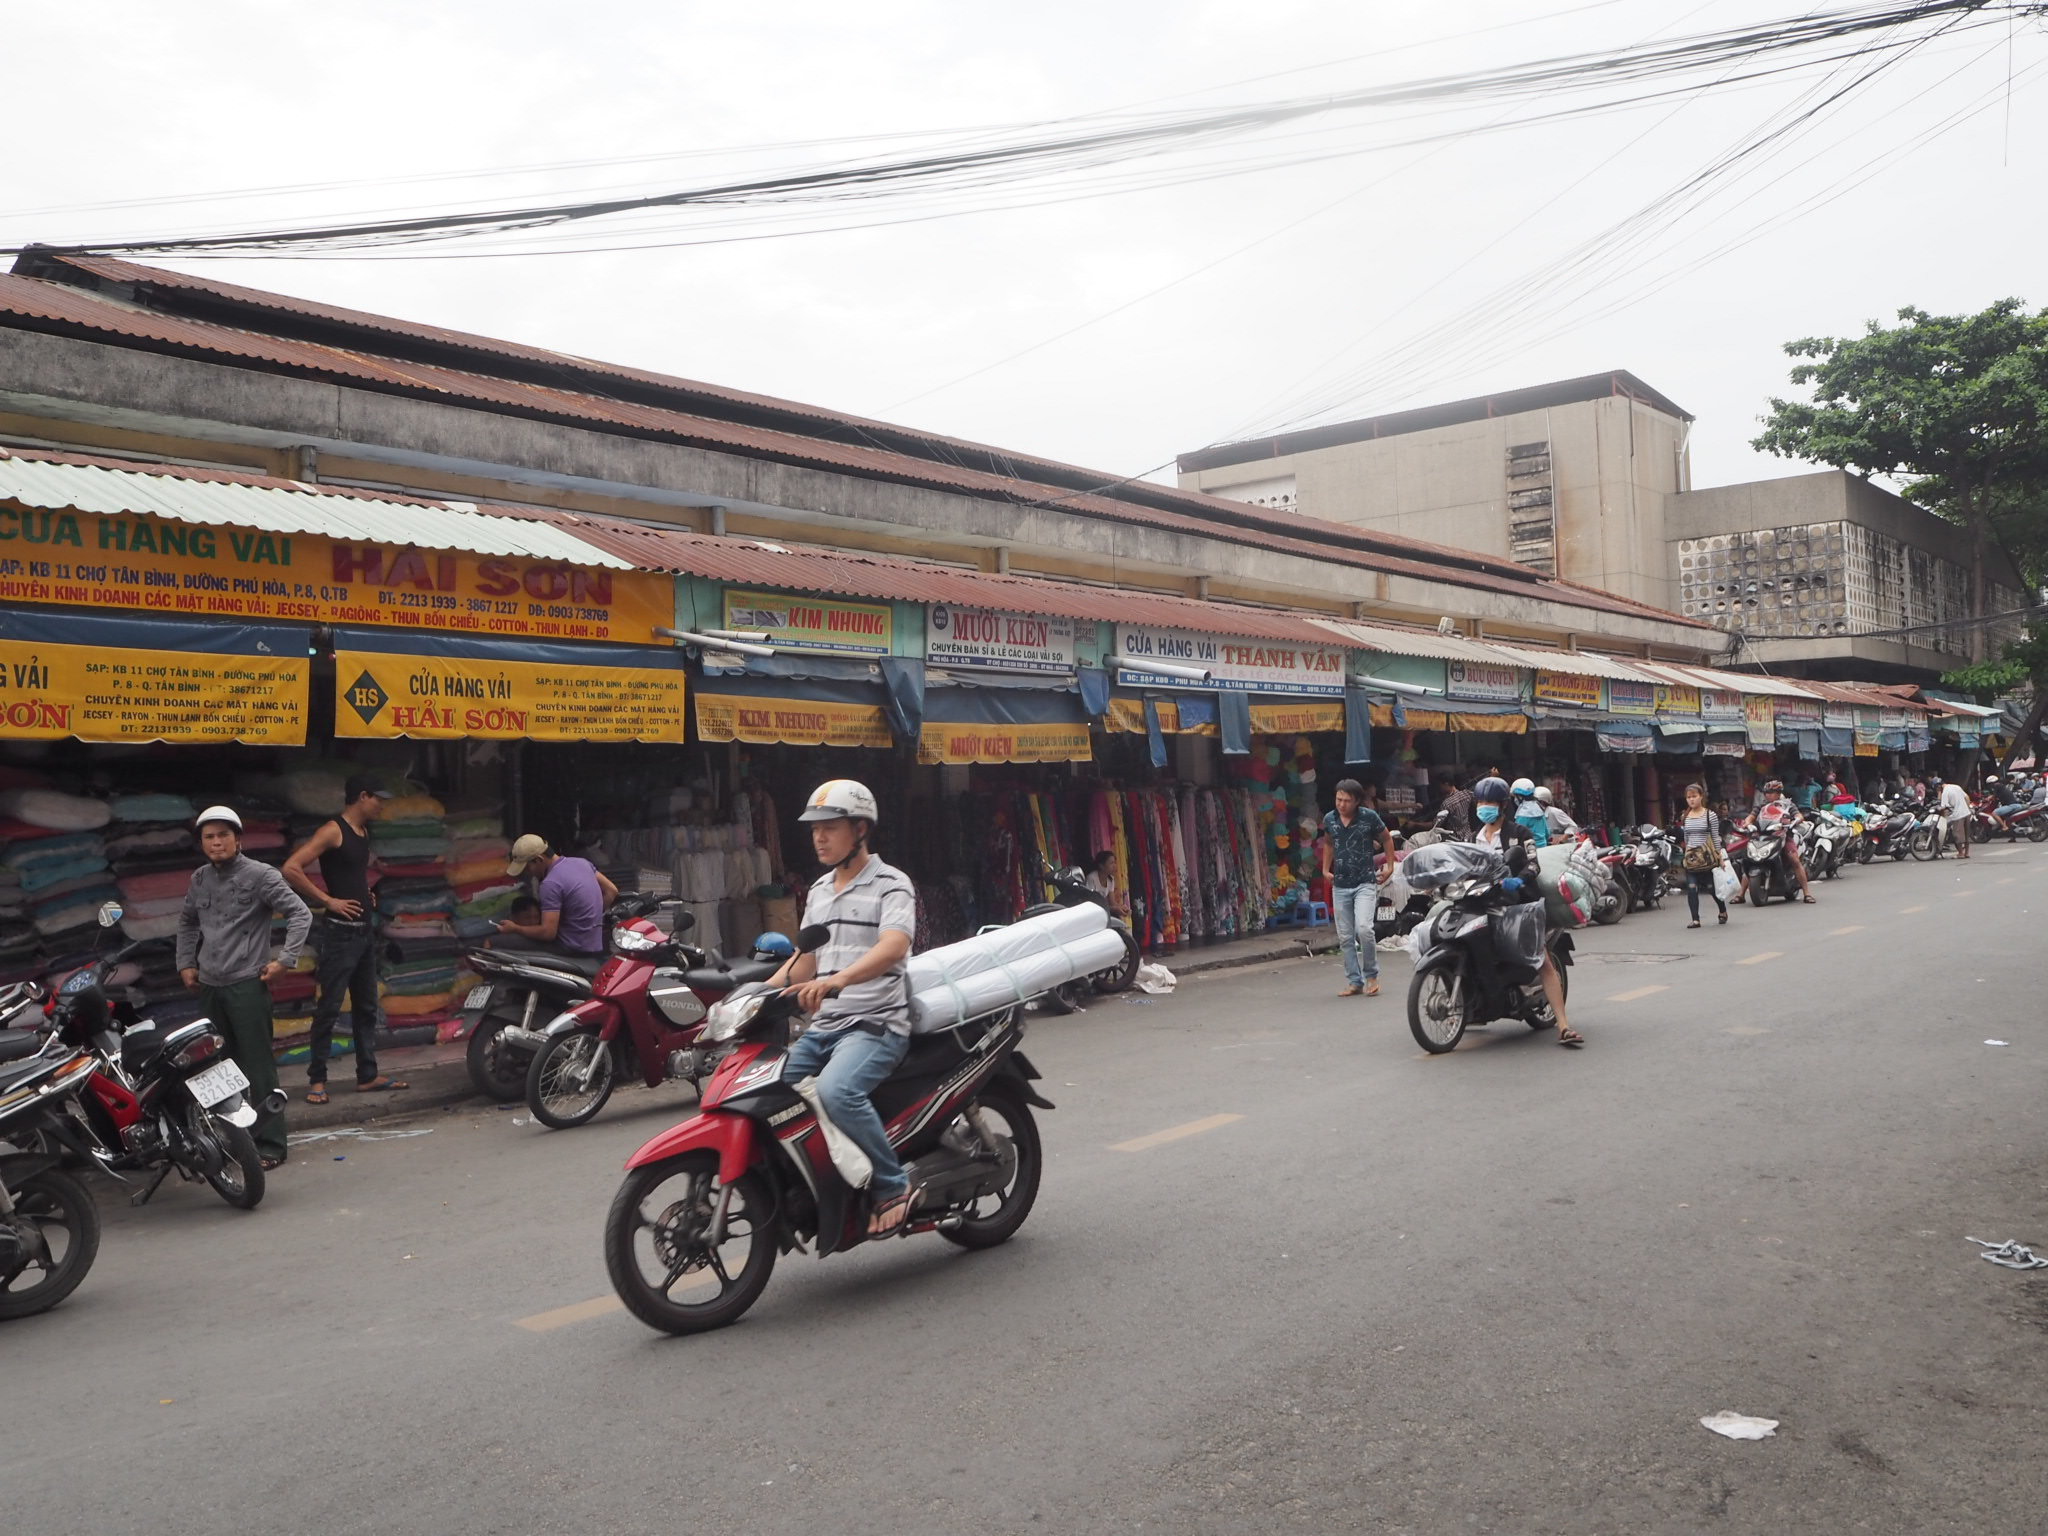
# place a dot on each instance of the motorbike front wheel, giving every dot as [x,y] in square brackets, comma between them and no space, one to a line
[2037,830]
[1437,1008]
[1926,845]
[1607,909]
[52,1210]
[235,1171]
[498,1071]
[658,1251]
[569,1080]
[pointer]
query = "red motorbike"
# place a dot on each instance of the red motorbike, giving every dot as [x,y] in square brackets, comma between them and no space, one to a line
[706,1207]
[645,1016]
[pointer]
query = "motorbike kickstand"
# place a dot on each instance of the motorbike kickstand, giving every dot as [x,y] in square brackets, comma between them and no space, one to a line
[141,1196]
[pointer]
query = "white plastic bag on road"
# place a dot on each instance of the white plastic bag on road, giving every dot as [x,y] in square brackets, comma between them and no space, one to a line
[1155,978]
[1739,1426]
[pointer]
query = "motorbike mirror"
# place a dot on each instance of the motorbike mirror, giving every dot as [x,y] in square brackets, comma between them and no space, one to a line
[680,921]
[814,937]
[109,914]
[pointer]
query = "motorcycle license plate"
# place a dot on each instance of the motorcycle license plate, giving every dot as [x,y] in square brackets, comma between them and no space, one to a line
[219,1081]
[478,996]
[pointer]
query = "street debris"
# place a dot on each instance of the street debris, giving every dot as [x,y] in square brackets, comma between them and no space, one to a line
[1739,1426]
[355,1132]
[1998,1042]
[2010,1254]
[1155,978]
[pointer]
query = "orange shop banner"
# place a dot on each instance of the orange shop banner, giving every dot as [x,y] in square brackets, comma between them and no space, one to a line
[163,566]
[106,679]
[1059,741]
[448,689]
[765,721]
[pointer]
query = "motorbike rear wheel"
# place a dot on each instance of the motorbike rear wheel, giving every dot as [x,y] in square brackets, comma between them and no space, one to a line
[237,1174]
[1437,1008]
[555,1090]
[497,1071]
[42,1201]
[997,1224]
[655,1243]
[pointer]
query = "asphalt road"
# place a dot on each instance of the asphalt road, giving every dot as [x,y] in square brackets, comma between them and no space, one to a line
[1367,1290]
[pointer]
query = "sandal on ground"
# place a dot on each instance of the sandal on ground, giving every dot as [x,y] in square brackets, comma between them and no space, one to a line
[1351,991]
[887,1218]
[379,1084]
[1723,918]
[1372,988]
[1808,900]
[270,1163]
[1696,922]
[317,1094]
[1566,1035]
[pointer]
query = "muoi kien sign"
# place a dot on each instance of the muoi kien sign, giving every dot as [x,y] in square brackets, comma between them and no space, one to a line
[1243,666]
[967,638]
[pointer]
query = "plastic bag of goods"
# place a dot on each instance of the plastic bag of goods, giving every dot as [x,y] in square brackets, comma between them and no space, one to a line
[1441,864]
[1518,932]
[1009,965]
[1567,890]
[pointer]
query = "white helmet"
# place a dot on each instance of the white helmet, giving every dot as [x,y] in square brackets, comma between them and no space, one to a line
[217,813]
[837,798]
[1543,795]
[1522,789]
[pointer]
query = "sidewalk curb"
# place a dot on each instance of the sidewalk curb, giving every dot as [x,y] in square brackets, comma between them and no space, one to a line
[1314,942]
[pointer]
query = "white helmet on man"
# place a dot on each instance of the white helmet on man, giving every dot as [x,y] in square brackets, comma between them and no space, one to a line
[1544,796]
[1523,789]
[837,798]
[217,813]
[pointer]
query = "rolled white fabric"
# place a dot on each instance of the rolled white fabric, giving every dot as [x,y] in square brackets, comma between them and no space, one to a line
[940,1004]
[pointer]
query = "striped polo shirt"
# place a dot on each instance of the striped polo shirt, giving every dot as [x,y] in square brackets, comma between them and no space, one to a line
[879,898]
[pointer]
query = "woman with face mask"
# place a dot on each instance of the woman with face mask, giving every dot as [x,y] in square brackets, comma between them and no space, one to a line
[1498,829]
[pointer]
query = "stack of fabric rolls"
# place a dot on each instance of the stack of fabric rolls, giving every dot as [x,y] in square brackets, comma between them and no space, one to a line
[57,853]
[153,849]
[413,844]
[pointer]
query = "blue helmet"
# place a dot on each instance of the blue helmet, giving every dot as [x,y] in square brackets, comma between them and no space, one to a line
[1491,791]
[773,946]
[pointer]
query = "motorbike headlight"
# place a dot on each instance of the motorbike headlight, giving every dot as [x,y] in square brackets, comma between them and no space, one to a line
[730,1015]
[1458,890]
[631,941]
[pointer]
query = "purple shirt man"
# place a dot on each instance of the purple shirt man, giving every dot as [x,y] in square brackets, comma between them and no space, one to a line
[573,896]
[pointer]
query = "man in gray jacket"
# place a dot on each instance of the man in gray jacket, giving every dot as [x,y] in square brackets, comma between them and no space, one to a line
[224,955]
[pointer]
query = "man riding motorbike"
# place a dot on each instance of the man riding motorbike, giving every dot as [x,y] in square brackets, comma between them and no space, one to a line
[1562,828]
[856,986]
[1500,831]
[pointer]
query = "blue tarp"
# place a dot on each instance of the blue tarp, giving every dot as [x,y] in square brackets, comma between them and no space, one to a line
[1235,718]
[152,634]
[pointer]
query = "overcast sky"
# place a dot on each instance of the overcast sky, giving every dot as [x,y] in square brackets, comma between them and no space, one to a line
[1206,311]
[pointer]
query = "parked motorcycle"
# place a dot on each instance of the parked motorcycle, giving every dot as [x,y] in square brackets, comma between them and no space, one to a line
[49,1227]
[1479,953]
[1930,834]
[645,1015]
[160,1098]
[1071,889]
[1641,863]
[520,990]
[706,1207]
[1829,840]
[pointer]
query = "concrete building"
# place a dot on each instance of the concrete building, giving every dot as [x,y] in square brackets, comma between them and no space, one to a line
[1588,480]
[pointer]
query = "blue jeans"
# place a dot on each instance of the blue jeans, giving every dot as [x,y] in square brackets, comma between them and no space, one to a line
[1356,907]
[850,1064]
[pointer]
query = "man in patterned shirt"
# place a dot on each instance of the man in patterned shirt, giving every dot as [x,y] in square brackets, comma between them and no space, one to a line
[1352,833]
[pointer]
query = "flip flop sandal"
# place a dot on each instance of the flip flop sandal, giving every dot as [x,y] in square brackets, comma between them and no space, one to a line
[381,1084]
[1570,1037]
[270,1163]
[887,1219]
[317,1094]
[1372,989]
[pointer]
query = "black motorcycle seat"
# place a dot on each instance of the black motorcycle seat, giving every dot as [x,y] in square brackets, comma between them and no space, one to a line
[15,1072]
[17,1043]
[929,1059]
[586,966]
[711,978]
[139,1044]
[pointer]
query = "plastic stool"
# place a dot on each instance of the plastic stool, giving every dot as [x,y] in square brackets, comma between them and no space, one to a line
[1310,914]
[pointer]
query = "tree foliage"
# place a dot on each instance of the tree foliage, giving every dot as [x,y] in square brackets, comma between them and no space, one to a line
[1956,405]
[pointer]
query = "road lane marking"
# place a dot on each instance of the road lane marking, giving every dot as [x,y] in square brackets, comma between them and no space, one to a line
[1852,928]
[562,1317]
[1962,893]
[1909,911]
[1747,1029]
[1769,954]
[1174,1133]
[2005,880]
[1637,995]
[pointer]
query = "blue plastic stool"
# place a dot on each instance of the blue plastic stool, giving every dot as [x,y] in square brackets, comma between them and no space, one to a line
[1310,914]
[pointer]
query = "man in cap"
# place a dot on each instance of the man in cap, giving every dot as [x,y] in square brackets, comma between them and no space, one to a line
[224,955]
[573,896]
[856,987]
[348,942]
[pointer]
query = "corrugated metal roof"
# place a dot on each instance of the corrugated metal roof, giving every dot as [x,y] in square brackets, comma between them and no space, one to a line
[1417,642]
[765,563]
[56,304]
[1736,682]
[1580,663]
[63,482]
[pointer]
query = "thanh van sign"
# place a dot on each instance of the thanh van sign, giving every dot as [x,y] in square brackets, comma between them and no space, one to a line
[1243,666]
[967,638]
[1484,680]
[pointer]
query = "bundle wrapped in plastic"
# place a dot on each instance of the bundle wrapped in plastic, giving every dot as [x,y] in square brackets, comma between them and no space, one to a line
[1567,888]
[1009,965]
[1437,865]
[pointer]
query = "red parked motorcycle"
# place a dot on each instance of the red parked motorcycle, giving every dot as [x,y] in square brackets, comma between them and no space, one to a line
[645,1015]
[706,1207]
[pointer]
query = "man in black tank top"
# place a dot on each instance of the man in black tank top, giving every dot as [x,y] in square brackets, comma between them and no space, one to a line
[345,938]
